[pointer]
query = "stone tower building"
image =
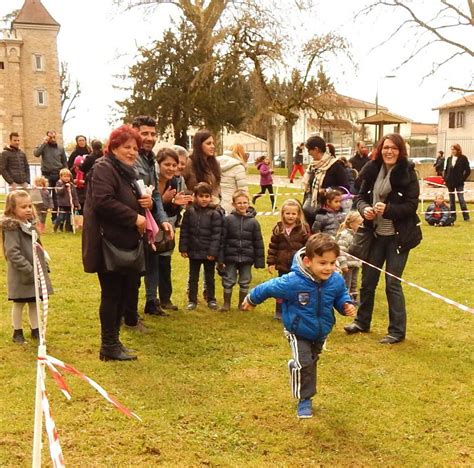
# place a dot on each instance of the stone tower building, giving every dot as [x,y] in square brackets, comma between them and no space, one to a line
[30,99]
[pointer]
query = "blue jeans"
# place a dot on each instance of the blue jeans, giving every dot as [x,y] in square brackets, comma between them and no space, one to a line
[152,274]
[384,250]
[233,270]
[462,202]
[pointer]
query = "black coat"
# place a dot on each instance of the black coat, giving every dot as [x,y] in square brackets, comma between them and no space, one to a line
[111,205]
[402,201]
[14,166]
[242,240]
[455,176]
[201,232]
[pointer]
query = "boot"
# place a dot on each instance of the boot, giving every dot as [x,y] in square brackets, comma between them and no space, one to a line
[227,298]
[35,333]
[111,349]
[115,352]
[18,336]
[242,296]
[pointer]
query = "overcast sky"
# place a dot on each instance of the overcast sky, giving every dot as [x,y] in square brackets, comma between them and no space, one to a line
[99,43]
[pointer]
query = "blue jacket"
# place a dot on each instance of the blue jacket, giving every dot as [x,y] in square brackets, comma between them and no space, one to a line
[307,308]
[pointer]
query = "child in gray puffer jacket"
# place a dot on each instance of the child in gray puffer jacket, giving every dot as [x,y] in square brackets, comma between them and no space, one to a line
[349,265]
[330,216]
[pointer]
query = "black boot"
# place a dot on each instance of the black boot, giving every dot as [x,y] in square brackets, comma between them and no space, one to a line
[111,349]
[18,336]
[115,352]
[242,296]
[153,307]
[35,333]
[227,298]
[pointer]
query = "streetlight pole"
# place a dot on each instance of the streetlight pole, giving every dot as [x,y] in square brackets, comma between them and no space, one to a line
[377,136]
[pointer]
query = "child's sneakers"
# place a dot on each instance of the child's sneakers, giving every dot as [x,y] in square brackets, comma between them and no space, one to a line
[212,305]
[191,305]
[305,409]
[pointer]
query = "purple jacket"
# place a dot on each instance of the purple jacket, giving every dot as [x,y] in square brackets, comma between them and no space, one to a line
[265,174]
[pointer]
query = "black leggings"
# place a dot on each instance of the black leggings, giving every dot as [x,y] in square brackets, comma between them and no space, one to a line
[263,189]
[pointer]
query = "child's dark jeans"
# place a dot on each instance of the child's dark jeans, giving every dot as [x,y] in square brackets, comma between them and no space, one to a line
[194,269]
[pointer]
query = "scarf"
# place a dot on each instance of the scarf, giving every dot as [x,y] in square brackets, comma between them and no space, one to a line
[314,176]
[129,173]
[382,188]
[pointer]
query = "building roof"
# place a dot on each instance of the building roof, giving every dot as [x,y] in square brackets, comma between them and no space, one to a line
[467,100]
[333,124]
[358,103]
[384,118]
[34,12]
[419,128]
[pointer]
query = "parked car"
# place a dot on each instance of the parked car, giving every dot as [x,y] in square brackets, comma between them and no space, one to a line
[423,160]
[279,160]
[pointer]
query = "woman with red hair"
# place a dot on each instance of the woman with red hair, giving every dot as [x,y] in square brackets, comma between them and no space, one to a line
[114,214]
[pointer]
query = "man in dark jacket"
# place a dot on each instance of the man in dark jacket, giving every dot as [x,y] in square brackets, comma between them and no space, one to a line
[53,159]
[14,166]
[297,162]
[146,168]
[361,156]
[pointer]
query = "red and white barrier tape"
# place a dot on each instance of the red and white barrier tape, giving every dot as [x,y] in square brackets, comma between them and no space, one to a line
[421,288]
[51,431]
[44,293]
[52,363]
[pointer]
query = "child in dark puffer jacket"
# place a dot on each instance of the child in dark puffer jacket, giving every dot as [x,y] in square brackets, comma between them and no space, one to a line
[200,240]
[242,247]
[288,236]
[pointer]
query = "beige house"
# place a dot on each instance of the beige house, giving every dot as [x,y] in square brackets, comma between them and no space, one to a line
[30,101]
[456,125]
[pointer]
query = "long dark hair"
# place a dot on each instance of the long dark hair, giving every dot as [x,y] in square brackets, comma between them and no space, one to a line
[202,165]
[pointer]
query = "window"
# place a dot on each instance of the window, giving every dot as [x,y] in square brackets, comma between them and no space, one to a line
[41,97]
[2,65]
[460,119]
[452,119]
[38,62]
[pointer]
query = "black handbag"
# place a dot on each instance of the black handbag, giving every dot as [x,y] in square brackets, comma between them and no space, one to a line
[163,243]
[118,260]
[362,242]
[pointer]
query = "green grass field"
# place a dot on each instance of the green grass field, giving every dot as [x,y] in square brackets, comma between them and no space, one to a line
[212,388]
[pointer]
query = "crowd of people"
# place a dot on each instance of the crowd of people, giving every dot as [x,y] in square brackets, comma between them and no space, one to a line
[133,201]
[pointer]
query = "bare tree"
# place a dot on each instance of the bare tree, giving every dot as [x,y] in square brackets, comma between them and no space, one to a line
[427,30]
[70,92]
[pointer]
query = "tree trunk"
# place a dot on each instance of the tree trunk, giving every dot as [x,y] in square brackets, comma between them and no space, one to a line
[271,130]
[181,137]
[289,145]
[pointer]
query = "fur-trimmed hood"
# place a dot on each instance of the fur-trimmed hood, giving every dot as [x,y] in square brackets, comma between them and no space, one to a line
[11,224]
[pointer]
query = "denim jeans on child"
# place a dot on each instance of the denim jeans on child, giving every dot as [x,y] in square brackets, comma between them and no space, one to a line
[384,250]
[237,271]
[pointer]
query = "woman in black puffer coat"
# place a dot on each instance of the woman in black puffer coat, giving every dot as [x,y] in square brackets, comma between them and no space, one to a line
[388,200]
